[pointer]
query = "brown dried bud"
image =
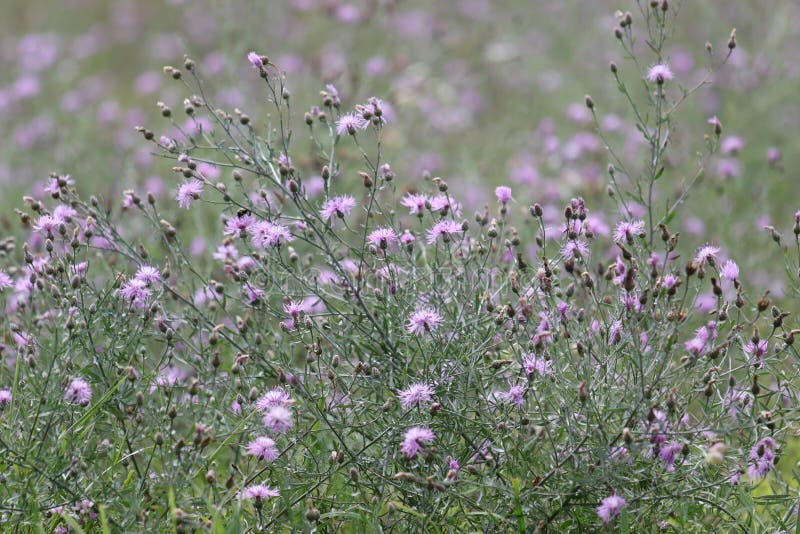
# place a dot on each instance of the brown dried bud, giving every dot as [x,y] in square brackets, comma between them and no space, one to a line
[627,435]
[583,391]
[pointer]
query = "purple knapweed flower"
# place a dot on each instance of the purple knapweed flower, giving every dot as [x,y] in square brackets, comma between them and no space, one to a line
[414,441]
[503,194]
[515,395]
[263,447]
[47,224]
[574,249]
[610,507]
[255,60]
[444,204]
[337,206]
[238,225]
[615,332]
[273,397]
[258,493]
[350,123]
[733,144]
[278,419]
[415,202]
[333,93]
[762,454]
[669,453]
[415,394]
[755,349]
[136,291]
[534,365]
[5,281]
[659,73]
[423,321]
[78,392]
[730,270]
[188,192]
[627,230]
[5,397]
[706,253]
[382,237]
[443,229]
[265,234]
[148,274]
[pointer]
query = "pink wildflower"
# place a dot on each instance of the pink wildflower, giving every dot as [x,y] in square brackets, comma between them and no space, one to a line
[444,229]
[382,237]
[263,447]
[188,192]
[659,73]
[78,392]
[610,507]
[415,394]
[255,60]
[278,419]
[258,493]
[337,206]
[415,439]
[350,123]
[423,320]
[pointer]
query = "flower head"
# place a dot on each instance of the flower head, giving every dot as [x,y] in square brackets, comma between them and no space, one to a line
[273,397]
[668,454]
[278,419]
[382,237]
[5,397]
[575,249]
[265,234]
[263,447]
[78,392]
[255,60]
[135,291]
[415,202]
[350,123]
[5,281]
[515,395]
[415,394]
[503,194]
[730,270]
[337,206]
[423,320]
[444,229]
[189,191]
[610,508]
[659,73]
[258,493]
[626,231]
[706,253]
[415,439]
[237,226]
[445,204]
[756,350]
[762,454]
[534,365]
[47,224]
[148,274]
